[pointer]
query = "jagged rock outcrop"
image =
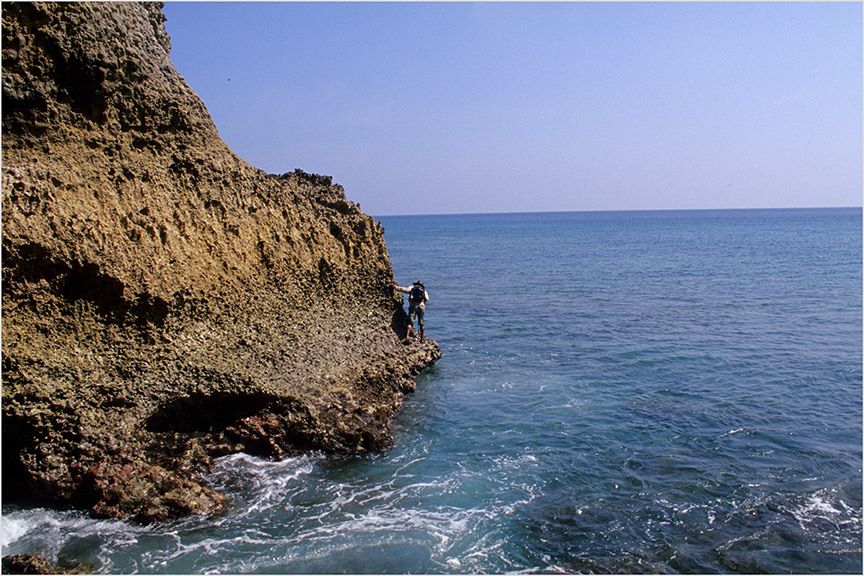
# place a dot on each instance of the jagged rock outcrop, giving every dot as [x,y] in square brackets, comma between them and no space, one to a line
[163,301]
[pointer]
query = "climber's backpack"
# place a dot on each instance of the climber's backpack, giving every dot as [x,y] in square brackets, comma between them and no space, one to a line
[417,294]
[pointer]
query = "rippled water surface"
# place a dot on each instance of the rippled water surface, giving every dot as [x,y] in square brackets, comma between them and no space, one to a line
[619,392]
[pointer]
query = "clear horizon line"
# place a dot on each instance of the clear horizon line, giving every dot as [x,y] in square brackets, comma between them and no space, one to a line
[859,207]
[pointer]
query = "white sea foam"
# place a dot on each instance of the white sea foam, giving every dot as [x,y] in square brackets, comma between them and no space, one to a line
[12,529]
[45,532]
[331,518]
[267,481]
[253,466]
[825,506]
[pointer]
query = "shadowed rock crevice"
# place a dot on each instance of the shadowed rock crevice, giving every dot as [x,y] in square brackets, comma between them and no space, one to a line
[226,422]
[18,439]
[33,264]
[163,301]
[206,412]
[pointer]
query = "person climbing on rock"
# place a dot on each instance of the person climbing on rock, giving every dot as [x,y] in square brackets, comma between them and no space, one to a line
[417,298]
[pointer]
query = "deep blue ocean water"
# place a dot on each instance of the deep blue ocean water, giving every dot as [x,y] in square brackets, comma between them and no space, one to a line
[619,392]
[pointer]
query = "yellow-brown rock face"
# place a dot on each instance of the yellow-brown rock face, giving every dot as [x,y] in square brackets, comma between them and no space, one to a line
[163,301]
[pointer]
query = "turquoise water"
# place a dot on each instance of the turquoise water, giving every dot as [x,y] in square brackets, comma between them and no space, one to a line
[619,392]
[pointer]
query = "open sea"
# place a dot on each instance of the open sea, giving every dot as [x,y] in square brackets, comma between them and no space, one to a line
[651,392]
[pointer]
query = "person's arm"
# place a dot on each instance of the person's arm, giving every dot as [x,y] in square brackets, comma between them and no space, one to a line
[402,288]
[425,295]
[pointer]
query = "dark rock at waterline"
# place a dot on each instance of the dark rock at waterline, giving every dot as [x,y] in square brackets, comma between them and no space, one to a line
[163,301]
[28,564]
[25,564]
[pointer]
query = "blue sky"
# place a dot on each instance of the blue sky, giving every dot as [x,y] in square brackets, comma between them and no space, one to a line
[498,107]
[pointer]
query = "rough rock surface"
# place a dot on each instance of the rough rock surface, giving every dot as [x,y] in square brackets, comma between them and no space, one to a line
[163,301]
[27,564]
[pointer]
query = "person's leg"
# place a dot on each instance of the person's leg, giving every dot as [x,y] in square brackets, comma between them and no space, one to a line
[421,313]
[412,311]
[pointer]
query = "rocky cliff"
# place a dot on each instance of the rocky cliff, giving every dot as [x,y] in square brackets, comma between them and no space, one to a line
[163,301]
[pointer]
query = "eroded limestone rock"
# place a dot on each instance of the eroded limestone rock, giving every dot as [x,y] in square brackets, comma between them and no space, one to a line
[163,301]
